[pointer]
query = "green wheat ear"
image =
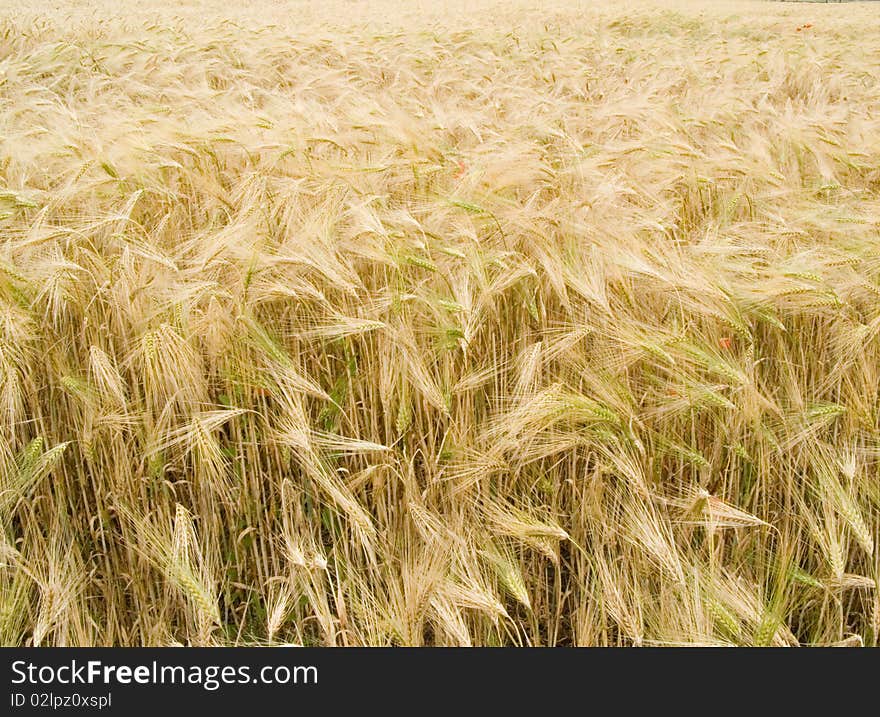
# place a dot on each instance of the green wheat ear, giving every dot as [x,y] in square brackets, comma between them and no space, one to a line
[404,416]
[110,169]
[31,465]
[728,622]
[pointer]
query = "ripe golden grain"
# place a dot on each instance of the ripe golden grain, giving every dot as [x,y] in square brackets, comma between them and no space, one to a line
[467,323]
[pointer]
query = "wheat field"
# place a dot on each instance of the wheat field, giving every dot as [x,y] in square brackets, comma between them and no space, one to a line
[369,323]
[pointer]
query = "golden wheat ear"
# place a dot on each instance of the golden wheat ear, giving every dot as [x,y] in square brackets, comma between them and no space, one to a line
[175,551]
